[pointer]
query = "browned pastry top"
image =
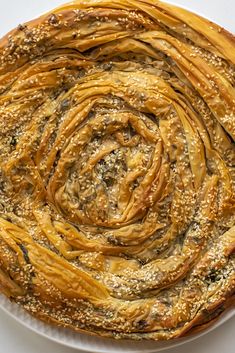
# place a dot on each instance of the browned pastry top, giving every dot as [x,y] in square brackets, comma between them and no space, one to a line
[117,168]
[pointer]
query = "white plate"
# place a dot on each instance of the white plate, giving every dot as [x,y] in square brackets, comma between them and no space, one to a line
[89,343]
[23,10]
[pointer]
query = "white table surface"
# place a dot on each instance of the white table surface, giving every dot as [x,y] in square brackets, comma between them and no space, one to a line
[15,338]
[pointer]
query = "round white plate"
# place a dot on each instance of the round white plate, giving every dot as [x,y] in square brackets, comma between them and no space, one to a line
[94,344]
[221,13]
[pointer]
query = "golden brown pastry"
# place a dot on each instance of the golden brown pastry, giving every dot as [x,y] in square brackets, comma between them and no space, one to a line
[117,168]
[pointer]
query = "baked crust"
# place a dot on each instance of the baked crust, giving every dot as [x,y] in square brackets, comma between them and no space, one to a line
[117,169]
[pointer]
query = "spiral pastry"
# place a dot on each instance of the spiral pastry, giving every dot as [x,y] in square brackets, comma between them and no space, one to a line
[117,168]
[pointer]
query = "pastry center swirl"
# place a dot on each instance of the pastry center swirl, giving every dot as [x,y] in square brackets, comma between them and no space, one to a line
[108,172]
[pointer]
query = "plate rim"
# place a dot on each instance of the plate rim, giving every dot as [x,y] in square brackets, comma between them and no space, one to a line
[12,307]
